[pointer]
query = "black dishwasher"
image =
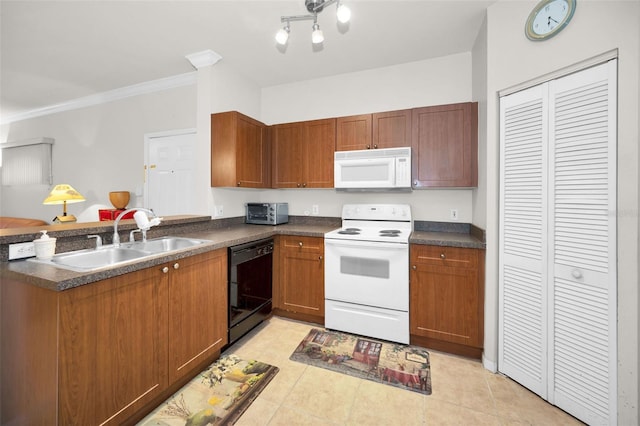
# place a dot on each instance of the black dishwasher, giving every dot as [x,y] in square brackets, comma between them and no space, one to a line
[250,274]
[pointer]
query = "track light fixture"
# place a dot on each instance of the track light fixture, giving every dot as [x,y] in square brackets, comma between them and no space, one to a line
[343,14]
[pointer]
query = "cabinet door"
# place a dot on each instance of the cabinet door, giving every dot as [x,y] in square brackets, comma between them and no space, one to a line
[392,129]
[446,295]
[112,347]
[287,154]
[445,146]
[240,154]
[301,275]
[319,143]
[253,154]
[197,311]
[353,132]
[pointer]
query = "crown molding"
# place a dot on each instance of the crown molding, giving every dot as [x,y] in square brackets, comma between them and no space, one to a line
[159,85]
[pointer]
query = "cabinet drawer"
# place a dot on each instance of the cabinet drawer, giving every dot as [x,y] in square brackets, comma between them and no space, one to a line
[444,256]
[303,244]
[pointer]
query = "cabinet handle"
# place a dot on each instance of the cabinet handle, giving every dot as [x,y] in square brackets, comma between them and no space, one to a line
[414,267]
[165,269]
[300,243]
[576,273]
[298,185]
[176,265]
[319,257]
[368,146]
[442,256]
[415,183]
[375,146]
[238,184]
[304,185]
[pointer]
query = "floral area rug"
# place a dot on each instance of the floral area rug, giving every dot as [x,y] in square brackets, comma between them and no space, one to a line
[217,396]
[402,366]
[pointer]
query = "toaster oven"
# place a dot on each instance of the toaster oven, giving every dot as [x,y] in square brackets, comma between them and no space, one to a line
[267,213]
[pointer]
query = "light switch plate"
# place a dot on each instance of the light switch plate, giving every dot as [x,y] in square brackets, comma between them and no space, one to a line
[21,250]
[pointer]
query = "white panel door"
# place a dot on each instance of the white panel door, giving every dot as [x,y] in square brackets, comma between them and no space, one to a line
[170,173]
[523,238]
[558,281]
[583,253]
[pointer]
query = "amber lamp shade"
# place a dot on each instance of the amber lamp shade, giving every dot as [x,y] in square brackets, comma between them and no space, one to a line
[119,199]
[63,194]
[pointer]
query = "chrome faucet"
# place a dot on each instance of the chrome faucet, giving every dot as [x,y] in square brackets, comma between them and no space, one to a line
[141,220]
[98,240]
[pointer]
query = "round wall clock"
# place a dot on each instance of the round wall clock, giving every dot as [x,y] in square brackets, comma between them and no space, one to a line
[548,18]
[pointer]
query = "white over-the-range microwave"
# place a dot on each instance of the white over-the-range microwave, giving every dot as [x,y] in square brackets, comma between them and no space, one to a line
[387,169]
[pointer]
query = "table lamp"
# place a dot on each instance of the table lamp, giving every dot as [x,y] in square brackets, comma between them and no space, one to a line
[63,194]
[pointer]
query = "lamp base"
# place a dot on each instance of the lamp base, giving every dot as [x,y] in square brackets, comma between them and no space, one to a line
[64,219]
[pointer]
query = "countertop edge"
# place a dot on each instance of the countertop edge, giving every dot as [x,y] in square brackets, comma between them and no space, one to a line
[57,279]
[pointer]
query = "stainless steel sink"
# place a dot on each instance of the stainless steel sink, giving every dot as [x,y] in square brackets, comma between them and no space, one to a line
[86,260]
[163,244]
[108,256]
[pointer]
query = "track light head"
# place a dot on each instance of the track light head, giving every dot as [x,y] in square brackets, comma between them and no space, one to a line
[283,35]
[316,35]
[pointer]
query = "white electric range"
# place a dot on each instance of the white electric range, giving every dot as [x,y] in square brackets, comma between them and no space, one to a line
[367,271]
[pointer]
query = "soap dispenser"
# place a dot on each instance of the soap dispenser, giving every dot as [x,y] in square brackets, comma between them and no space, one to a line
[45,246]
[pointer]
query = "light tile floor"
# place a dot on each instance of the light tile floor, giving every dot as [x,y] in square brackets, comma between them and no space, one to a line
[464,393]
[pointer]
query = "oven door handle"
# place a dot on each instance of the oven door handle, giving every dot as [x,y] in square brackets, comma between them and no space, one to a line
[367,244]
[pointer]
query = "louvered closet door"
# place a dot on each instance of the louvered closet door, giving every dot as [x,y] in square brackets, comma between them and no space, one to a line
[583,251]
[523,238]
[558,281]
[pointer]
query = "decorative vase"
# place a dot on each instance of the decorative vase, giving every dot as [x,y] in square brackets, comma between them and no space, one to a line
[119,199]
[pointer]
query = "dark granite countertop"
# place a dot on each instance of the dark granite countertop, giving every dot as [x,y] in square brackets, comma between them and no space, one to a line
[227,234]
[53,278]
[449,239]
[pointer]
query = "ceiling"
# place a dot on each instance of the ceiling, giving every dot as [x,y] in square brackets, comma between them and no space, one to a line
[55,51]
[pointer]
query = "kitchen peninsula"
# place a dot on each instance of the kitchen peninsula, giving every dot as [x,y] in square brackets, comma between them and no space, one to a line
[98,347]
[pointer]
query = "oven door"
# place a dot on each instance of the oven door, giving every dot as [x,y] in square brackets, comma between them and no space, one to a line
[367,273]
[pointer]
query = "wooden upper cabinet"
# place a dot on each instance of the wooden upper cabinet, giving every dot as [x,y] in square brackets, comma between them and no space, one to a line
[240,151]
[320,142]
[392,129]
[353,132]
[302,154]
[371,131]
[445,146]
[287,152]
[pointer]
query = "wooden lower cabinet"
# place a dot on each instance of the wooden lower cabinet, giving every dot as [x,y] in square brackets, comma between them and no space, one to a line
[112,347]
[197,329]
[298,290]
[447,299]
[106,350]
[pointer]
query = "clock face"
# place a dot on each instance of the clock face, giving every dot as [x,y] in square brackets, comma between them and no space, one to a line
[548,18]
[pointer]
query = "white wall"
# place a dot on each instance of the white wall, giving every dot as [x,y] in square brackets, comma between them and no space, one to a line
[97,149]
[431,82]
[597,27]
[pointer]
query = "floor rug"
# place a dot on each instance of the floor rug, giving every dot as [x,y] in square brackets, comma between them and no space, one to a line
[217,396]
[403,366]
